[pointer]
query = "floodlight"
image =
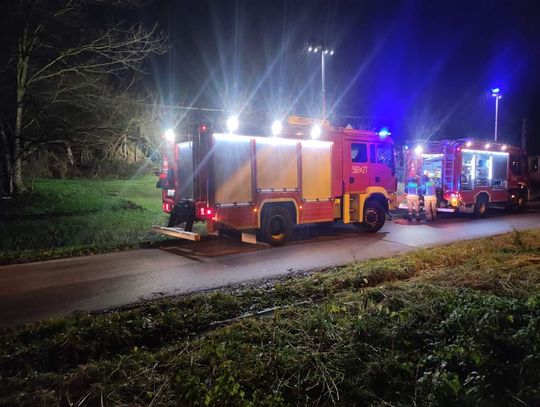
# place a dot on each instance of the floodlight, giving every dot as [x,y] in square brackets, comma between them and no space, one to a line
[315,131]
[169,135]
[232,124]
[276,128]
[418,150]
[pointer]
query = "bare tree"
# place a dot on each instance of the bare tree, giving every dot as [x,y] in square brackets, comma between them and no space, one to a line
[58,53]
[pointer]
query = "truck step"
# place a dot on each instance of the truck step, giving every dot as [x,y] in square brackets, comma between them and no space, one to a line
[177,232]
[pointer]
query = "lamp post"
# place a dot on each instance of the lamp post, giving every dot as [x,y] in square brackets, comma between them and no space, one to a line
[496,93]
[325,51]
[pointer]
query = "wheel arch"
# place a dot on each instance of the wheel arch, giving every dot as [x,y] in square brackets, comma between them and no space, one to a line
[287,203]
[380,198]
[485,194]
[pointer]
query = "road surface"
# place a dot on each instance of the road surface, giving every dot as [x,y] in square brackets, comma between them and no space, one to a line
[36,291]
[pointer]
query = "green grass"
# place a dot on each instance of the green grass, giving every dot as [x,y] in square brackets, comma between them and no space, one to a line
[66,217]
[454,325]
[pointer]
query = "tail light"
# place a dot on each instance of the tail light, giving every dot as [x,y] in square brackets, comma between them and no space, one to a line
[453,197]
[167,207]
[206,212]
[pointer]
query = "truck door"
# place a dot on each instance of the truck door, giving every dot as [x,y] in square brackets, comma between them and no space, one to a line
[382,166]
[355,163]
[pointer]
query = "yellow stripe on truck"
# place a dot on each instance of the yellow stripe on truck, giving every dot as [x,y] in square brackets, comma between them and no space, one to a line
[346,208]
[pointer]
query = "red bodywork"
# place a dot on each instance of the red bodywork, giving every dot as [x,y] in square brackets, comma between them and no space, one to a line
[459,184]
[347,177]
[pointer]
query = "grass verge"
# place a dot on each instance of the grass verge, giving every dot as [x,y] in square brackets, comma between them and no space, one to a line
[69,217]
[458,324]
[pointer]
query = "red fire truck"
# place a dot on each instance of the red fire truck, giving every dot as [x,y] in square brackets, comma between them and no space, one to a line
[264,185]
[470,175]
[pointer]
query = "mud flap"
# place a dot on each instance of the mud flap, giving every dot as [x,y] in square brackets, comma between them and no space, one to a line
[183,212]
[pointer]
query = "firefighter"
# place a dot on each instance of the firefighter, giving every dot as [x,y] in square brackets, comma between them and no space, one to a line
[427,189]
[412,189]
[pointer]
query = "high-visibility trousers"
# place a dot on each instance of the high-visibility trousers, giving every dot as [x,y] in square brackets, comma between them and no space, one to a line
[430,207]
[413,203]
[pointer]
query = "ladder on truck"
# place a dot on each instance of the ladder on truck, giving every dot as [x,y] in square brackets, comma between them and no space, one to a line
[448,168]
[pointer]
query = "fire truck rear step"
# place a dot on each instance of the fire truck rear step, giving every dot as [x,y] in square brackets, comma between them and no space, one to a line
[404,206]
[177,232]
[446,209]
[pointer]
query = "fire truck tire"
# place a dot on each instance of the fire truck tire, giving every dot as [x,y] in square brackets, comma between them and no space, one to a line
[374,217]
[522,201]
[481,206]
[277,226]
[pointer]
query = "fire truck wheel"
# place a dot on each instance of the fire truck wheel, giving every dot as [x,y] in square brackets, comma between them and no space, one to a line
[481,205]
[277,226]
[374,217]
[522,201]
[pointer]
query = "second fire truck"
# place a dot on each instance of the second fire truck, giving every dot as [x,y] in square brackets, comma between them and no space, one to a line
[470,175]
[307,172]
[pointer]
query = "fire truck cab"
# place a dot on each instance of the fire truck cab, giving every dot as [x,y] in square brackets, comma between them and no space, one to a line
[264,186]
[470,175]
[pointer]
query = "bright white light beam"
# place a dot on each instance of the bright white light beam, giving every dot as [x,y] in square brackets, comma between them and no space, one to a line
[232,124]
[169,135]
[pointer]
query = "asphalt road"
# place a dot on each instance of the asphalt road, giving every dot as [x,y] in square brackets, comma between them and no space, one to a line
[36,291]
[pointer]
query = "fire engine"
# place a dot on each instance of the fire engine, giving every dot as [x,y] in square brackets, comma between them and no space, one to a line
[470,175]
[306,172]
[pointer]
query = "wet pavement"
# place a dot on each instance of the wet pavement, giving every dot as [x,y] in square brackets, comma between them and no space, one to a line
[35,291]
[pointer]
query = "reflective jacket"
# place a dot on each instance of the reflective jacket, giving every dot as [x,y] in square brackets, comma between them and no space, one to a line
[412,187]
[428,188]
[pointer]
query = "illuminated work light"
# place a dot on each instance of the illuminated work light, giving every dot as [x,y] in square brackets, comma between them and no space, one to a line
[276,128]
[169,135]
[232,124]
[316,132]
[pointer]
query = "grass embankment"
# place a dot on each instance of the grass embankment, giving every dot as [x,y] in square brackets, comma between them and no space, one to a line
[67,217]
[451,325]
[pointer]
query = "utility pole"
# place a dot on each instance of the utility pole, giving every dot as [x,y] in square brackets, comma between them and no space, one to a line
[325,51]
[496,93]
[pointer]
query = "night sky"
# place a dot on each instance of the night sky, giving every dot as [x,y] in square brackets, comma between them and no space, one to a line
[424,68]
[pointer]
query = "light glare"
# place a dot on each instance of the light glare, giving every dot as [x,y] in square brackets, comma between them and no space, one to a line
[277,127]
[418,150]
[384,132]
[315,132]
[232,124]
[169,135]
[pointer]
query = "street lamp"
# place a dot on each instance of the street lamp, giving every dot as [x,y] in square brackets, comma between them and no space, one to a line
[325,51]
[496,93]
